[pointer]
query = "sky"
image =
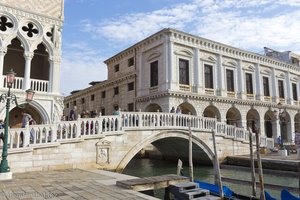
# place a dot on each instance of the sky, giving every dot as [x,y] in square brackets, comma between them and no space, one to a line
[95,30]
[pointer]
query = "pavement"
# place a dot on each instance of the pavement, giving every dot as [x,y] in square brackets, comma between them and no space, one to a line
[68,184]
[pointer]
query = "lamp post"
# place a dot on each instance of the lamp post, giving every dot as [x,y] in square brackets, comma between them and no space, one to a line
[9,98]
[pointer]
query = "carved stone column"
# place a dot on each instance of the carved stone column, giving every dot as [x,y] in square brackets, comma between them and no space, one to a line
[28,57]
[54,74]
[3,51]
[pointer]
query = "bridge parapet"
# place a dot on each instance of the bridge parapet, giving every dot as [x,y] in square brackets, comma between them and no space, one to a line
[84,128]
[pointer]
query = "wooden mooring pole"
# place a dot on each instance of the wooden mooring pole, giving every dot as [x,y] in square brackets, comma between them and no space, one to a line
[252,163]
[191,153]
[217,166]
[260,172]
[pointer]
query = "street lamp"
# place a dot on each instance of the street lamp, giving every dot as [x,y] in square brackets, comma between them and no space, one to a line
[9,98]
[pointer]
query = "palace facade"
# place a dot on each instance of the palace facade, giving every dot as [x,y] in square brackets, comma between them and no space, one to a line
[172,68]
[30,44]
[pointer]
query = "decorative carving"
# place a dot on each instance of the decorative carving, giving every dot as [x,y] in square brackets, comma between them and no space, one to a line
[103,152]
[5,23]
[30,29]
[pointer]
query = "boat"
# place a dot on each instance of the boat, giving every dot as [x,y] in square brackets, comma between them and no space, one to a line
[227,192]
[286,195]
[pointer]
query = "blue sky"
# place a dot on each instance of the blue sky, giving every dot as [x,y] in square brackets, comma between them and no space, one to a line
[95,30]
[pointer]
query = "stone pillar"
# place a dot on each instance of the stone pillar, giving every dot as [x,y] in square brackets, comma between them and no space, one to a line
[54,74]
[196,71]
[201,75]
[291,129]
[262,126]
[258,81]
[240,81]
[274,86]
[3,51]
[140,68]
[276,129]
[220,88]
[168,52]
[289,93]
[28,57]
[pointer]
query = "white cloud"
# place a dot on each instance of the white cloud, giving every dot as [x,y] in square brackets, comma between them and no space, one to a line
[80,66]
[248,24]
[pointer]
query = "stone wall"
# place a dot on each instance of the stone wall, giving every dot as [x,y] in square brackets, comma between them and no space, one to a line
[50,8]
[55,156]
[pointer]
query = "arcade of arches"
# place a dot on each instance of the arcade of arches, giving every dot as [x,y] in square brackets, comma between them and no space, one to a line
[30,67]
[270,123]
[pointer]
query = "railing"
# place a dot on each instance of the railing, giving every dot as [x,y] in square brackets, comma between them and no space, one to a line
[101,126]
[39,85]
[18,83]
[35,84]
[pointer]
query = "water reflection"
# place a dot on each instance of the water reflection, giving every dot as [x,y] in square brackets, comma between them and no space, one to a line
[148,167]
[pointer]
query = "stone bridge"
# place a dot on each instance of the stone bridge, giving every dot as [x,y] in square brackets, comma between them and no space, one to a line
[110,142]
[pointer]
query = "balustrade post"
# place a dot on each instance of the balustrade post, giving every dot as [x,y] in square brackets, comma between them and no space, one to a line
[26,135]
[54,132]
[78,127]
[141,120]
[174,119]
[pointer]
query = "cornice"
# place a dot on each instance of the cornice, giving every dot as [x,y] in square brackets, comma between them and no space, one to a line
[203,44]
[23,13]
[99,86]
[213,99]
[229,51]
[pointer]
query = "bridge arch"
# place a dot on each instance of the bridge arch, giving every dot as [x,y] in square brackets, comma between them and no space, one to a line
[162,136]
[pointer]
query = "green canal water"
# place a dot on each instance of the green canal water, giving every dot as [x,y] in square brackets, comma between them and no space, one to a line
[150,167]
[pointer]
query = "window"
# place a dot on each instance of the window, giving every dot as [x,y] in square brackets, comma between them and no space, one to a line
[92,97]
[184,72]
[67,105]
[103,94]
[208,71]
[230,80]
[117,67]
[295,94]
[266,86]
[249,83]
[280,89]
[82,100]
[102,111]
[130,107]
[74,103]
[130,62]
[154,74]
[130,86]
[116,91]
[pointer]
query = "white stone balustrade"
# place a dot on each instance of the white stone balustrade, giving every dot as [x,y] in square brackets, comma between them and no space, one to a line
[46,134]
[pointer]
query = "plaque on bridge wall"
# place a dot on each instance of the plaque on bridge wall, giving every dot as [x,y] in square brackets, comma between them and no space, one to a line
[103,149]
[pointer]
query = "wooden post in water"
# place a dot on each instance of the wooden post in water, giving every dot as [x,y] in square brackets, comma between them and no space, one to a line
[260,172]
[191,153]
[217,166]
[299,173]
[252,163]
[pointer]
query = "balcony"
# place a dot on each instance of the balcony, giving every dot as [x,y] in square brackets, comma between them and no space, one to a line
[268,98]
[35,84]
[186,88]
[231,94]
[209,91]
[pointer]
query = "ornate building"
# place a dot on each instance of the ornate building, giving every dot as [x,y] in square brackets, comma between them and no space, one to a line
[30,43]
[172,68]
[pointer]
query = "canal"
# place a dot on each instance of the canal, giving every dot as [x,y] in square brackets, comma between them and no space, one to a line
[151,167]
